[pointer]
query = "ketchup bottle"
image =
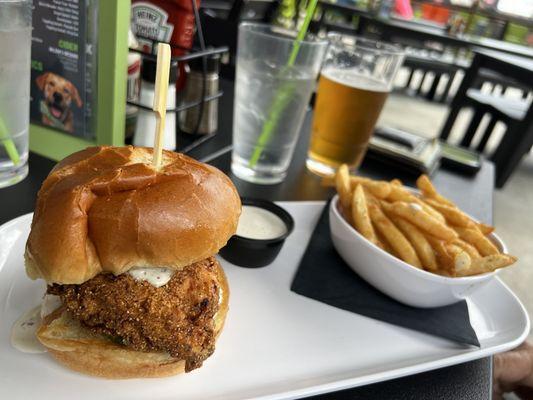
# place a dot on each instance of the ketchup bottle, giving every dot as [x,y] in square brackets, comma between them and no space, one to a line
[168,21]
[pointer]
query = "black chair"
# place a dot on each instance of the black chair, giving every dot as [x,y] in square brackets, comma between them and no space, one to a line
[515,114]
[499,81]
[499,109]
[439,70]
[423,56]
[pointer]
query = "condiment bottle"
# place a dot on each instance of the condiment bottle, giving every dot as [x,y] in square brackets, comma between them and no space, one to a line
[146,120]
[193,93]
[169,21]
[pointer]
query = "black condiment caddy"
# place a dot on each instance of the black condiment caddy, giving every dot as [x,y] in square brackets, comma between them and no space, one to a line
[186,142]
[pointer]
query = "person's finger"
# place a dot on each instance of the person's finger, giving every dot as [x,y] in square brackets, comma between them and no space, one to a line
[513,369]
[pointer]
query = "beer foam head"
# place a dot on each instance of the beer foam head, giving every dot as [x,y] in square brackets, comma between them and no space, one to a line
[354,78]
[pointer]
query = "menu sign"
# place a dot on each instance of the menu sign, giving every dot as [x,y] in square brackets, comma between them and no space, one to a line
[58,84]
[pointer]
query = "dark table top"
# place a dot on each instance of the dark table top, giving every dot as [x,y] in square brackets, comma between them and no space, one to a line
[470,380]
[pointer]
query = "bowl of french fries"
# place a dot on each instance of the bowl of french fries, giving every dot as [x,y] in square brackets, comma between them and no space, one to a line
[416,246]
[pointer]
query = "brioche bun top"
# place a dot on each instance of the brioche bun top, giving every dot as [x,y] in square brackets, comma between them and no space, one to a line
[107,209]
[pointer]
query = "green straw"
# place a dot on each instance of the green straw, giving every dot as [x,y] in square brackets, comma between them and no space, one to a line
[8,143]
[283,96]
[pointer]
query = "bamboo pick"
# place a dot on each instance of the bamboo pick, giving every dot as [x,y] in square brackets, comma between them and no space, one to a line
[160,100]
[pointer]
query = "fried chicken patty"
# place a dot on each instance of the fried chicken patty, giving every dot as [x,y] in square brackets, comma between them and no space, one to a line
[176,317]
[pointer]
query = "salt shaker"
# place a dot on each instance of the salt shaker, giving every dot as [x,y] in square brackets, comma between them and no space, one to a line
[193,93]
[146,120]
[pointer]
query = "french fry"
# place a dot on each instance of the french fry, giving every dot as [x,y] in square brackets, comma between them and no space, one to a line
[430,210]
[399,193]
[471,250]
[452,214]
[382,243]
[444,258]
[394,237]
[370,198]
[485,229]
[396,182]
[461,259]
[428,190]
[360,216]
[456,217]
[426,187]
[380,189]
[415,214]
[342,183]
[418,241]
[488,264]
[478,240]
[427,231]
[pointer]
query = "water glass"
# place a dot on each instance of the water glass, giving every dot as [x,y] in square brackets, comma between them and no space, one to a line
[15,50]
[275,78]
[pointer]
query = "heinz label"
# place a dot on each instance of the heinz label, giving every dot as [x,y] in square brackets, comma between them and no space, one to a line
[149,21]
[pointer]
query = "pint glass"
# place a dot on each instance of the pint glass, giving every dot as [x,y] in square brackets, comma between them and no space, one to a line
[355,81]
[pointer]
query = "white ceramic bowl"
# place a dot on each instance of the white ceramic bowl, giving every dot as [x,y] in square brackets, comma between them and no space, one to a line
[394,277]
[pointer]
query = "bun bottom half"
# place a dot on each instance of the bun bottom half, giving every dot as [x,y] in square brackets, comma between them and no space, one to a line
[83,351]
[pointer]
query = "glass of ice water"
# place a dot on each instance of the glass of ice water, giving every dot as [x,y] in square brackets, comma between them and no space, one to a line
[275,78]
[15,50]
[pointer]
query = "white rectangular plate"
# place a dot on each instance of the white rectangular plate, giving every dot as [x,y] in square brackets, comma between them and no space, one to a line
[275,345]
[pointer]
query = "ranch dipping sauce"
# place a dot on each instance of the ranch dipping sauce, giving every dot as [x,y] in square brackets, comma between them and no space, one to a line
[258,223]
[261,232]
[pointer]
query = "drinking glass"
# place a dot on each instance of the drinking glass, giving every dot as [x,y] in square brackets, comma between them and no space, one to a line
[274,81]
[15,49]
[356,78]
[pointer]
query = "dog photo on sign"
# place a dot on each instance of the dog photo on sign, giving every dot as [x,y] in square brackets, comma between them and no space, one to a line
[58,96]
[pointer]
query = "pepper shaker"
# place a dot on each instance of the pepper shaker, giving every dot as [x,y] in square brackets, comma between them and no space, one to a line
[193,93]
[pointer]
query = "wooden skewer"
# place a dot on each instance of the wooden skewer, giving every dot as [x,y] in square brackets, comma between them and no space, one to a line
[160,100]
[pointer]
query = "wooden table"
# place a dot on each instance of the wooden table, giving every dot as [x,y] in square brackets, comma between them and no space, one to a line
[472,380]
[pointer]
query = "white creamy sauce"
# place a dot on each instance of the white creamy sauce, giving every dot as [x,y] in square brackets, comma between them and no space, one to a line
[415,206]
[24,329]
[155,276]
[258,223]
[462,261]
[51,302]
[23,332]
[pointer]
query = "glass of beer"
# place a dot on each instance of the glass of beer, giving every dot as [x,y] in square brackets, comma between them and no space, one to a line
[355,80]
